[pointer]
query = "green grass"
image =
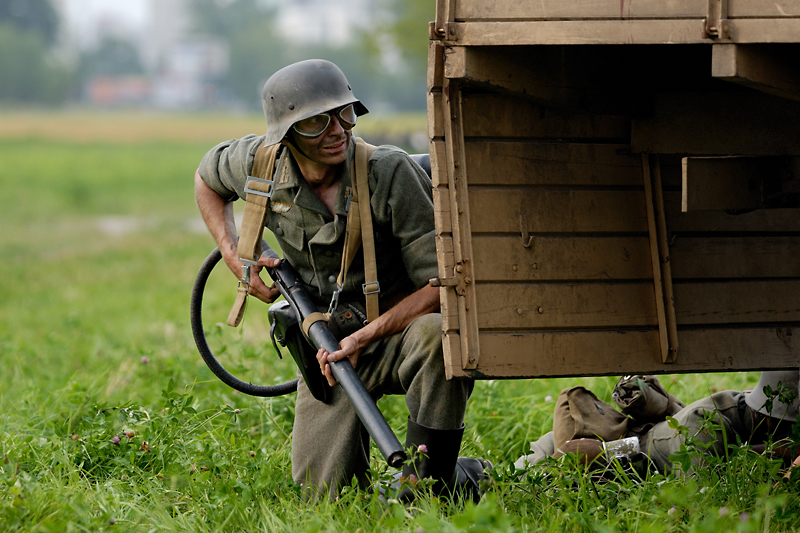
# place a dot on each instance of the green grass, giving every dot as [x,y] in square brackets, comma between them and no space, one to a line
[98,252]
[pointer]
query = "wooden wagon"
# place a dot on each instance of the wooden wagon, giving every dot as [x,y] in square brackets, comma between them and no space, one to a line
[616,185]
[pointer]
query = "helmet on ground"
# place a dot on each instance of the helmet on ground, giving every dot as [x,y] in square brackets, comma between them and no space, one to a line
[302,90]
[757,399]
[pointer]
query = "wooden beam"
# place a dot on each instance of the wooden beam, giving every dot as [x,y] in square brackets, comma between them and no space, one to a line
[617,9]
[773,69]
[602,353]
[602,32]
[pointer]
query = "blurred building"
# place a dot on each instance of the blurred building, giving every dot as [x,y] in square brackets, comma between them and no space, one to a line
[182,68]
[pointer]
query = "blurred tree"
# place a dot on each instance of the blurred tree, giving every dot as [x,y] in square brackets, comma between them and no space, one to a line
[405,28]
[113,57]
[35,15]
[27,77]
[226,18]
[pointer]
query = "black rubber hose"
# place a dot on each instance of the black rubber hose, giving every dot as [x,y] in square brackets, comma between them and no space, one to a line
[205,351]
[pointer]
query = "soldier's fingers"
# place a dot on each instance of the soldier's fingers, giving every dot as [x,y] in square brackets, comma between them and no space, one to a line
[329,376]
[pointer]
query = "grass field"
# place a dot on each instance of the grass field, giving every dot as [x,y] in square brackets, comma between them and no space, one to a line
[109,420]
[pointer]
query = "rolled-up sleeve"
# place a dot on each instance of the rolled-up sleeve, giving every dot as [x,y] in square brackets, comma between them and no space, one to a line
[401,199]
[226,166]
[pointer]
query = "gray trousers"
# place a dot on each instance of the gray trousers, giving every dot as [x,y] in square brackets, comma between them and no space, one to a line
[727,409]
[329,443]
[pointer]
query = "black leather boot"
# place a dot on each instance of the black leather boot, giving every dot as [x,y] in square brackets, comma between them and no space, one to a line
[435,453]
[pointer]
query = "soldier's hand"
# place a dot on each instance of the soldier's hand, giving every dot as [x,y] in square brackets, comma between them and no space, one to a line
[258,288]
[348,347]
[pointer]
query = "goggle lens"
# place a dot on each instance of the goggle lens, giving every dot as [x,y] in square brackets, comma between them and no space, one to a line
[316,125]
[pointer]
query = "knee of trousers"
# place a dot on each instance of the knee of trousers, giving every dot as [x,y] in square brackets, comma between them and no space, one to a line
[423,339]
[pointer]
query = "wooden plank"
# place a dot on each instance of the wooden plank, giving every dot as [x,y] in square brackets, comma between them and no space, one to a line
[498,210]
[657,263]
[735,257]
[711,183]
[732,302]
[492,115]
[435,73]
[438,163]
[758,221]
[442,217]
[614,9]
[460,220]
[537,163]
[579,9]
[744,123]
[451,345]
[571,32]
[588,353]
[604,32]
[435,117]
[526,306]
[763,8]
[772,69]
[663,256]
[447,296]
[503,258]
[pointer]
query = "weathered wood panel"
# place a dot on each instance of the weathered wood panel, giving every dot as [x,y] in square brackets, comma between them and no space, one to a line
[613,9]
[517,306]
[586,353]
[758,221]
[714,183]
[735,257]
[492,115]
[772,69]
[732,302]
[752,123]
[503,258]
[532,163]
[498,210]
[605,32]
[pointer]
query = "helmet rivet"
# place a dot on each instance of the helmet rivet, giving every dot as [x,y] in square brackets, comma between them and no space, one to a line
[291,106]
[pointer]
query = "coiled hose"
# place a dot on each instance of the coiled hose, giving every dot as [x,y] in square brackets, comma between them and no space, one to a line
[205,351]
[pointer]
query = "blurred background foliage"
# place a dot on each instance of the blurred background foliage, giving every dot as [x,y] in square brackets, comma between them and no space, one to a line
[381,47]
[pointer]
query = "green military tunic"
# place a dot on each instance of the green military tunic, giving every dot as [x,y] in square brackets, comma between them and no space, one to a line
[330,445]
[312,238]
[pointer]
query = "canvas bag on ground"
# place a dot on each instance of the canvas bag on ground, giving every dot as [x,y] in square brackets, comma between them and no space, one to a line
[580,414]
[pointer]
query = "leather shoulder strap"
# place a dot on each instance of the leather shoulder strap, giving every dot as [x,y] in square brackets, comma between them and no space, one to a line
[258,189]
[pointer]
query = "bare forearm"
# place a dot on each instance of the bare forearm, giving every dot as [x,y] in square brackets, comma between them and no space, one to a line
[217,213]
[421,302]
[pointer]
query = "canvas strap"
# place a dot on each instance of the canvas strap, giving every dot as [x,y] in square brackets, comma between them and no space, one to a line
[359,230]
[258,190]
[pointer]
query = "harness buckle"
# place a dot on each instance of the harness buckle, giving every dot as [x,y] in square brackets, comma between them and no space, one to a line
[335,299]
[248,190]
[371,291]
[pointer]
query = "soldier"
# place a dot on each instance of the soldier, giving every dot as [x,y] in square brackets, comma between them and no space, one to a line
[751,416]
[311,111]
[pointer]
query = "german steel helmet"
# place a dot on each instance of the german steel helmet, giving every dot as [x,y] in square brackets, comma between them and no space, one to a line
[757,399]
[302,90]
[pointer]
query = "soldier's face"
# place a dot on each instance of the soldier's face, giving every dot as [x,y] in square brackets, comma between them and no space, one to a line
[329,148]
